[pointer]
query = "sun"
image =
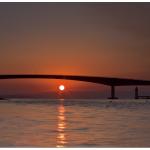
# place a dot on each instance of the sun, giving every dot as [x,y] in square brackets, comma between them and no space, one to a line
[61,87]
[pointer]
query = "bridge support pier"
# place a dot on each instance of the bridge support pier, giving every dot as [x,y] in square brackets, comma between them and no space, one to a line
[112,93]
[136,93]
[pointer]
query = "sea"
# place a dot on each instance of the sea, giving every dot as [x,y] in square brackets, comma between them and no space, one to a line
[74,123]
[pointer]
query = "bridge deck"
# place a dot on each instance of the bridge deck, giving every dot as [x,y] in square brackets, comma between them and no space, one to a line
[100,80]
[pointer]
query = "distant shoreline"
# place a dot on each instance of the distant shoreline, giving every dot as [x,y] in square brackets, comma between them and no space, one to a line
[71,99]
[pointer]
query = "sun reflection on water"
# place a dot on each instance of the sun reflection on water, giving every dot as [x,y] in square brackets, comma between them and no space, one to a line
[61,137]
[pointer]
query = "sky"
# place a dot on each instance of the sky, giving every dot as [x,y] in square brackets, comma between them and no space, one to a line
[94,39]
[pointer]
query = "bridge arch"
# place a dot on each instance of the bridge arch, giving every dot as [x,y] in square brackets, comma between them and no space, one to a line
[112,82]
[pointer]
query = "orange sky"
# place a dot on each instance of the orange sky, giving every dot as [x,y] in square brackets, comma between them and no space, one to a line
[95,39]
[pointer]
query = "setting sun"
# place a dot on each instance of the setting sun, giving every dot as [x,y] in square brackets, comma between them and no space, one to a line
[61,87]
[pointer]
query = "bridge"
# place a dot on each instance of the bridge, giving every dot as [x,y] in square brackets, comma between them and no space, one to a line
[112,82]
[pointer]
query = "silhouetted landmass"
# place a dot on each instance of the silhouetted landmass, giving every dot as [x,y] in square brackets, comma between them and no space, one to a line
[3,99]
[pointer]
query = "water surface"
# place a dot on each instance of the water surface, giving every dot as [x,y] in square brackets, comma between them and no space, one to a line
[74,123]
